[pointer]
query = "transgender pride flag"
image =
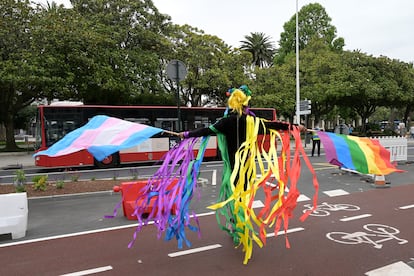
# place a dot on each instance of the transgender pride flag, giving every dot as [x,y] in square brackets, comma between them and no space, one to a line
[102,136]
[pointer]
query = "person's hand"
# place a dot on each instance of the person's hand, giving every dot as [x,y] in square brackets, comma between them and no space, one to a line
[302,128]
[181,135]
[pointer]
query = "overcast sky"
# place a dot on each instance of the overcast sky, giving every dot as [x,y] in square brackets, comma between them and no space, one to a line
[375,27]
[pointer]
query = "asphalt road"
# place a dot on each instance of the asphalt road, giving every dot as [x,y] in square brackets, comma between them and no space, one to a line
[69,234]
[372,233]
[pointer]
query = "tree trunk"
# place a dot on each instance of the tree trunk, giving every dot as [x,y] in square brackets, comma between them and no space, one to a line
[10,142]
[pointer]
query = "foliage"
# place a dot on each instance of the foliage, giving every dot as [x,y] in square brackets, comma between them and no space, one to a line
[313,23]
[319,63]
[275,87]
[24,116]
[20,181]
[260,47]
[74,177]
[60,184]
[213,67]
[123,41]
[22,75]
[40,182]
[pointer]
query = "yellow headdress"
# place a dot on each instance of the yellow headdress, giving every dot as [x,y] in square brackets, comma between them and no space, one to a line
[239,98]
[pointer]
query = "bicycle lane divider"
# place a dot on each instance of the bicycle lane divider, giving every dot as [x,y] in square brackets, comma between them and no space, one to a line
[406,207]
[355,217]
[89,271]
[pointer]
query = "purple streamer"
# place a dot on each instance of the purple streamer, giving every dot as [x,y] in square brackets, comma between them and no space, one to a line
[170,209]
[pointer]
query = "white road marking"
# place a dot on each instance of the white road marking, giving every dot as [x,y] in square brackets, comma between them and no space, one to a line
[86,232]
[406,207]
[89,271]
[257,204]
[302,198]
[297,229]
[356,217]
[397,269]
[195,250]
[214,178]
[337,192]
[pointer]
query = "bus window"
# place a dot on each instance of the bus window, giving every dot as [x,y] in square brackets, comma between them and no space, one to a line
[68,126]
[144,121]
[201,122]
[38,133]
[52,132]
[167,123]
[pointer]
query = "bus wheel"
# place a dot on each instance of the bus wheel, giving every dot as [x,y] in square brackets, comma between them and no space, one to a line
[110,161]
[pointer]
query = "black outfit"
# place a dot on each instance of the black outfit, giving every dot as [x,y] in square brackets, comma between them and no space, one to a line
[234,128]
[316,143]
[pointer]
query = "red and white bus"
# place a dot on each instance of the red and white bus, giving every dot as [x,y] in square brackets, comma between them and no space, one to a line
[55,121]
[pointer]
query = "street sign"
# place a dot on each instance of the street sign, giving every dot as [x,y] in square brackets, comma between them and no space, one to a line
[304,112]
[305,105]
[176,70]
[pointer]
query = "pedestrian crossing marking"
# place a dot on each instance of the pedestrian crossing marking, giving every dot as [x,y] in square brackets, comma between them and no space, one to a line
[302,198]
[338,192]
[398,268]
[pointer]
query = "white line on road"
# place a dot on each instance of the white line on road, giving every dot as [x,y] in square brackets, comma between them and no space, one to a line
[214,178]
[356,217]
[406,207]
[89,271]
[337,192]
[399,268]
[195,250]
[86,232]
[302,198]
[257,204]
[297,229]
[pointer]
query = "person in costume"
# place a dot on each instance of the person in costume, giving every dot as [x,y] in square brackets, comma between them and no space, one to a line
[248,166]
[233,124]
[237,134]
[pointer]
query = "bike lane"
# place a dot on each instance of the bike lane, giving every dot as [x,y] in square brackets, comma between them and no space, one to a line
[311,252]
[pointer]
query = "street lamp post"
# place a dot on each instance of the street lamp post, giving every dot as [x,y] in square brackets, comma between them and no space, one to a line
[297,68]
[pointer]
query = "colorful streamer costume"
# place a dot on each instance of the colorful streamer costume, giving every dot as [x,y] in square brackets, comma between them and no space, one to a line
[248,167]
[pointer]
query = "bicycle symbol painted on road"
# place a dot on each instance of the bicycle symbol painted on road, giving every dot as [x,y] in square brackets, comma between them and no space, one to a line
[375,235]
[324,209]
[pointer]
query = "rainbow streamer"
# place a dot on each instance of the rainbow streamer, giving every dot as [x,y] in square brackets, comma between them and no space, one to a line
[276,175]
[361,154]
[171,189]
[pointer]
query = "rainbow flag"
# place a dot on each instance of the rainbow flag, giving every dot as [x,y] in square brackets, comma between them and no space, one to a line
[361,154]
[102,136]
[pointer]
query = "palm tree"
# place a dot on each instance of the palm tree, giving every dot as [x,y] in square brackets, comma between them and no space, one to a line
[261,48]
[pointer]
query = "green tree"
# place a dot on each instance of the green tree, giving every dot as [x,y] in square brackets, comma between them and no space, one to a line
[363,84]
[260,47]
[213,67]
[319,63]
[313,22]
[23,76]
[120,47]
[403,98]
[275,87]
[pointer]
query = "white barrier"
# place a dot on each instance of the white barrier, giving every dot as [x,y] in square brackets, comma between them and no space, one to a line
[397,146]
[13,214]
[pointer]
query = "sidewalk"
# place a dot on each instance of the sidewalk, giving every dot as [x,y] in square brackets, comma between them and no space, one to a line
[16,160]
